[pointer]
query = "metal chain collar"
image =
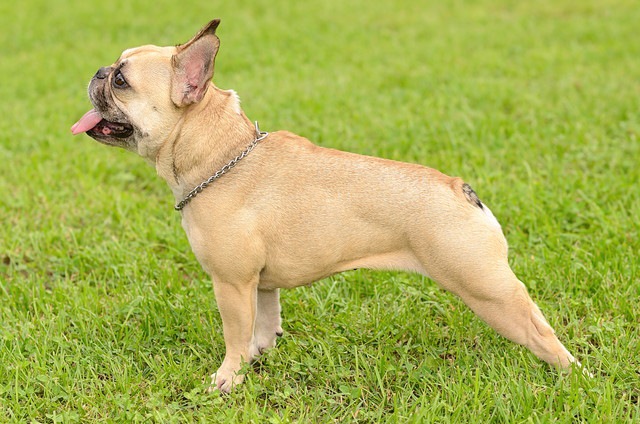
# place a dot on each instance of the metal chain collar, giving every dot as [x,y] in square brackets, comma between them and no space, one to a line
[260,135]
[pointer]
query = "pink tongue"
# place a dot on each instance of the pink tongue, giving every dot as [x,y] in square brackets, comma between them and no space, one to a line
[87,122]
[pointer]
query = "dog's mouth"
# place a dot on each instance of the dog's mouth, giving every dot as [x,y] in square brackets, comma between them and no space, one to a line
[96,126]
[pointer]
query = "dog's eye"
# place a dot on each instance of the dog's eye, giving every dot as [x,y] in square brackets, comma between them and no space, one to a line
[119,81]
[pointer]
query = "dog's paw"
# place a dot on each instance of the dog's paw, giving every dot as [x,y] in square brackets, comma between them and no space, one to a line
[576,365]
[263,341]
[224,381]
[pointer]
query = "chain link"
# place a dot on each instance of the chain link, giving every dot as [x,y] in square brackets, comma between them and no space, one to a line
[260,135]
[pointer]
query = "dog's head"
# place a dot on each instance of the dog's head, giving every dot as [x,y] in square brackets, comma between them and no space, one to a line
[140,98]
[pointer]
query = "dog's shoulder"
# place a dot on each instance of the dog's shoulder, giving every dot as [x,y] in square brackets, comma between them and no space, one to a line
[283,136]
[288,142]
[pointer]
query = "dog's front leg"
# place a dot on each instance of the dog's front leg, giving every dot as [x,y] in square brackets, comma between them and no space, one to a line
[237,306]
[268,322]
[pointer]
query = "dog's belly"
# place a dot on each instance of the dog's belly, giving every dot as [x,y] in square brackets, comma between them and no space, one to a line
[287,271]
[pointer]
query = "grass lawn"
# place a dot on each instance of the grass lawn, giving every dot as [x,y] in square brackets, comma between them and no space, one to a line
[106,316]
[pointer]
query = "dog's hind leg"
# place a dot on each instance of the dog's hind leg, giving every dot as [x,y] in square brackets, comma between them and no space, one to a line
[502,301]
[472,263]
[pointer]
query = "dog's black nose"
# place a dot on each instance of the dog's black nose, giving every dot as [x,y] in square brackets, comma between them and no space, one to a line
[103,72]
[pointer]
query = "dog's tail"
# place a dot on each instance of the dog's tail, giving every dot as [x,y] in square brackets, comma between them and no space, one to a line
[472,198]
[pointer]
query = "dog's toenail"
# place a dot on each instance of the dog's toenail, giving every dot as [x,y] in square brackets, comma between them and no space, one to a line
[279,333]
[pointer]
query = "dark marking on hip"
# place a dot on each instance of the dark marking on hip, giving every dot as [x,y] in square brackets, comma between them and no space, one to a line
[471,195]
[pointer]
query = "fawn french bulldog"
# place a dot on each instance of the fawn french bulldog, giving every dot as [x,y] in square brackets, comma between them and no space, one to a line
[282,212]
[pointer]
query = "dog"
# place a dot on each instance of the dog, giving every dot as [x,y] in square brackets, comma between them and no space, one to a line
[265,211]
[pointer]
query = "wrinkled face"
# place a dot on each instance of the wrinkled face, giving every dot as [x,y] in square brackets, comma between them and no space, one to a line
[132,101]
[138,100]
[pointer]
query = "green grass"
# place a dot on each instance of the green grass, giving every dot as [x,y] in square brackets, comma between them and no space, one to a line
[106,316]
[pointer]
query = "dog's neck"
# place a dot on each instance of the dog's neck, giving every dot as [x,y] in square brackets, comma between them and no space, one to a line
[187,158]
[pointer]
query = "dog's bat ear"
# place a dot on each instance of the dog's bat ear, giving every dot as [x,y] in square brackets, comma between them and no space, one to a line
[193,65]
